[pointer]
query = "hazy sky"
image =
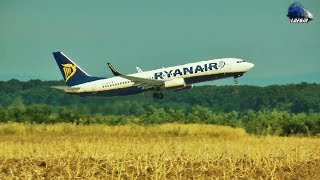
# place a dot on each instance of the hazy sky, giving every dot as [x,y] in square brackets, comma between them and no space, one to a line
[152,34]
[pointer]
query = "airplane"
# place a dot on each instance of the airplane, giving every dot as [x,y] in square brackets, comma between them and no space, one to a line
[175,78]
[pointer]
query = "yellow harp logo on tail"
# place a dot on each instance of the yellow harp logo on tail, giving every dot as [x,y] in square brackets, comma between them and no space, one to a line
[69,70]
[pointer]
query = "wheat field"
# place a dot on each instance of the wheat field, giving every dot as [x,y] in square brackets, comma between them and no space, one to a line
[170,151]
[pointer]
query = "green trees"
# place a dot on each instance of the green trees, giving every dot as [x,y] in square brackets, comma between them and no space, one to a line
[291,98]
[266,122]
[3,115]
[281,123]
[155,116]
[279,110]
[256,122]
[38,114]
[200,114]
[16,114]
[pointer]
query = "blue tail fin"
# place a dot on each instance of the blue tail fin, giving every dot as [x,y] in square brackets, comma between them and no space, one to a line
[72,74]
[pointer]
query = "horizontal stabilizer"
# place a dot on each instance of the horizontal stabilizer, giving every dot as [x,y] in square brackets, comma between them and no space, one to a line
[66,88]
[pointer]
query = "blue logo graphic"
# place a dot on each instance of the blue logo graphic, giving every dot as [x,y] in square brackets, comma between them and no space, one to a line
[298,14]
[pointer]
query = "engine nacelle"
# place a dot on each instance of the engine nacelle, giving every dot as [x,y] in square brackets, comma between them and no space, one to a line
[177,83]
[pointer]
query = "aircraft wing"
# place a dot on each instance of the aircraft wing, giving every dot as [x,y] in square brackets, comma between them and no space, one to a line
[138,81]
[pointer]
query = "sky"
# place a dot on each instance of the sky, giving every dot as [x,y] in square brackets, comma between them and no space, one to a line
[151,34]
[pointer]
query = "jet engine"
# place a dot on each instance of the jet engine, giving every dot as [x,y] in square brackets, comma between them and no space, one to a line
[174,84]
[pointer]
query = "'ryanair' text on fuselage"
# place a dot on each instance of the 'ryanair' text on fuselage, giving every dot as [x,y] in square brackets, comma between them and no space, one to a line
[189,70]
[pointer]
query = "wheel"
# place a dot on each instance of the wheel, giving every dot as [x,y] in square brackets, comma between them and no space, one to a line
[158,95]
[155,95]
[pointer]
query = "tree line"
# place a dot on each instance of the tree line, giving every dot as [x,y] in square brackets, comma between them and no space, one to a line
[278,109]
[293,98]
[264,122]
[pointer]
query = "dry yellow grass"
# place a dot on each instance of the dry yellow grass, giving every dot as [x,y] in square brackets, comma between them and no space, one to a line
[158,152]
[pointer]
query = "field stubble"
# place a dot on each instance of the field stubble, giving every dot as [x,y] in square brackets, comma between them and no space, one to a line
[170,151]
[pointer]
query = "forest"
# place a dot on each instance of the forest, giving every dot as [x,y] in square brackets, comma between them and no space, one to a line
[284,110]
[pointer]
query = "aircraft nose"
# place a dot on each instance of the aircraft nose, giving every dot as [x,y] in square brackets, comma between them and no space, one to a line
[250,66]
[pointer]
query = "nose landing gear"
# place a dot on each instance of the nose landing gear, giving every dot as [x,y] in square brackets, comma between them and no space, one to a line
[236,76]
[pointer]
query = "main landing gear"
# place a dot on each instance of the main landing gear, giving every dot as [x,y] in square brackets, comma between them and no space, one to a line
[158,95]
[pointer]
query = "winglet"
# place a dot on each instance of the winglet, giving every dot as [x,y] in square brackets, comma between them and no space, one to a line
[114,71]
[139,70]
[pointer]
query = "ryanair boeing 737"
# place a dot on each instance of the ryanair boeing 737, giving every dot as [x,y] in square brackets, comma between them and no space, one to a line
[171,78]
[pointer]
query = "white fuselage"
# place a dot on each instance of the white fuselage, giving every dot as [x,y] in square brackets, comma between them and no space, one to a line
[208,68]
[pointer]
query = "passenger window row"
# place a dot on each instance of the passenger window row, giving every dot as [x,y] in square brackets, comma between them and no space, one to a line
[116,84]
